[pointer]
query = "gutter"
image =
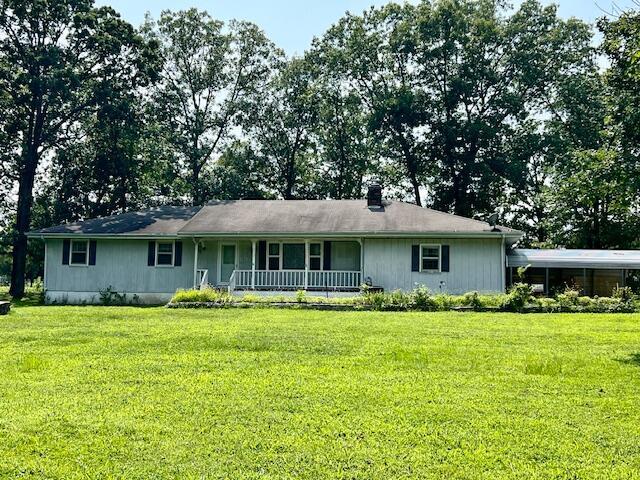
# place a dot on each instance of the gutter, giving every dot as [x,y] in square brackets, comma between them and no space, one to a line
[249,235]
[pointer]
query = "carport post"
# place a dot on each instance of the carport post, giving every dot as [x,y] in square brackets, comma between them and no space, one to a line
[546,281]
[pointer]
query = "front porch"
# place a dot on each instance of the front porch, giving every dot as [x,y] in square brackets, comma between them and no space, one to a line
[327,265]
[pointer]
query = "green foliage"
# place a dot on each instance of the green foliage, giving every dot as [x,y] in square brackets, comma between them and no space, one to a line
[109,296]
[205,295]
[518,297]
[472,299]
[301,296]
[133,392]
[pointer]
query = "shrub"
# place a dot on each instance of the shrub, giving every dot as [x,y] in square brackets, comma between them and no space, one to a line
[301,296]
[625,294]
[472,299]
[422,299]
[205,295]
[518,297]
[568,298]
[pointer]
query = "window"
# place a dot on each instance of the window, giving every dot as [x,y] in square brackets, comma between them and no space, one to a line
[430,258]
[164,254]
[273,256]
[315,256]
[293,256]
[79,252]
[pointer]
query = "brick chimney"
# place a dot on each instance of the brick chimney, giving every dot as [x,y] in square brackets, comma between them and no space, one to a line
[374,196]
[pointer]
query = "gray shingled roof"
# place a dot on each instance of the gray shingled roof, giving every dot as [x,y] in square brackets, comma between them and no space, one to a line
[294,217]
[327,217]
[156,221]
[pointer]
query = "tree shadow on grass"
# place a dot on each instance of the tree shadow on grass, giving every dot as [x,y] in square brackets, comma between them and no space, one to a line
[632,359]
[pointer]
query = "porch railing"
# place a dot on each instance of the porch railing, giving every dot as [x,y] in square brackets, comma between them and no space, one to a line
[202,278]
[295,279]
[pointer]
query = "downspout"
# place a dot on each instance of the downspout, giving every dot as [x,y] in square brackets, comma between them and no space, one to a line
[44,270]
[503,270]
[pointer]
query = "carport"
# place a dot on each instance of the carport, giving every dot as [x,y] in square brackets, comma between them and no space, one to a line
[593,272]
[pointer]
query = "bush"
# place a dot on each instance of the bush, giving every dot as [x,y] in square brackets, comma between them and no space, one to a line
[205,295]
[472,299]
[569,298]
[518,297]
[422,299]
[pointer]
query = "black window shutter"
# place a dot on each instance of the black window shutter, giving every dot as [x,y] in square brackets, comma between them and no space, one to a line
[415,258]
[445,258]
[178,254]
[151,254]
[92,252]
[262,255]
[326,256]
[66,246]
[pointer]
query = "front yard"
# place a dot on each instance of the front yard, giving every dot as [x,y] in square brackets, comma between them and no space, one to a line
[97,392]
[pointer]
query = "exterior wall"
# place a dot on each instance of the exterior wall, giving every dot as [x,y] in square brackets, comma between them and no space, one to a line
[121,265]
[208,259]
[475,264]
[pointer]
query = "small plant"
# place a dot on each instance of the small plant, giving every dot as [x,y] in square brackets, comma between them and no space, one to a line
[422,299]
[109,296]
[472,299]
[568,298]
[518,297]
[521,272]
[624,294]
[301,296]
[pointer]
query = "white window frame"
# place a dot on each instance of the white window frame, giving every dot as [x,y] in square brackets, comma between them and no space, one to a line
[423,246]
[86,258]
[279,256]
[321,256]
[173,252]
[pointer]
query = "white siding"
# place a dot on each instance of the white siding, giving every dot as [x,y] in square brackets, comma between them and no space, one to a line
[120,264]
[475,264]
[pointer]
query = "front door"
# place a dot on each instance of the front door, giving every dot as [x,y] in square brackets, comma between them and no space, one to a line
[227,262]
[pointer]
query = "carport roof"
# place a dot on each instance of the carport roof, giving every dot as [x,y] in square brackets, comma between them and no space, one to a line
[574,258]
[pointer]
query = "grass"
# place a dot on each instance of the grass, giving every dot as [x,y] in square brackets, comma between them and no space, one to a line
[32,297]
[123,392]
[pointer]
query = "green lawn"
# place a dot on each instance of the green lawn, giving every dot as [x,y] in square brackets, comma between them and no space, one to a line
[100,392]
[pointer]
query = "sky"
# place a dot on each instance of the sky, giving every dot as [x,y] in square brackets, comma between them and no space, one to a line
[292,24]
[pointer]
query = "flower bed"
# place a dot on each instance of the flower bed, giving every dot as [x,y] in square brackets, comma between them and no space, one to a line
[519,299]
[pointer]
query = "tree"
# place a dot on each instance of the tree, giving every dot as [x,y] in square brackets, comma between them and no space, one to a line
[344,145]
[375,53]
[60,53]
[278,121]
[593,202]
[208,71]
[101,171]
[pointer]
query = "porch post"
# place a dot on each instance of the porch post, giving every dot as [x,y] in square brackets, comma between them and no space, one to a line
[195,263]
[361,242]
[253,264]
[306,263]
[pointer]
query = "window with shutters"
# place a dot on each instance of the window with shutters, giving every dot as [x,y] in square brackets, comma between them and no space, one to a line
[79,252]
[430,258]
[165,254]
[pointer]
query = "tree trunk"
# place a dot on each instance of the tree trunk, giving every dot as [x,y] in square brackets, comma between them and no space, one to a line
[416,188]
[23,222]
